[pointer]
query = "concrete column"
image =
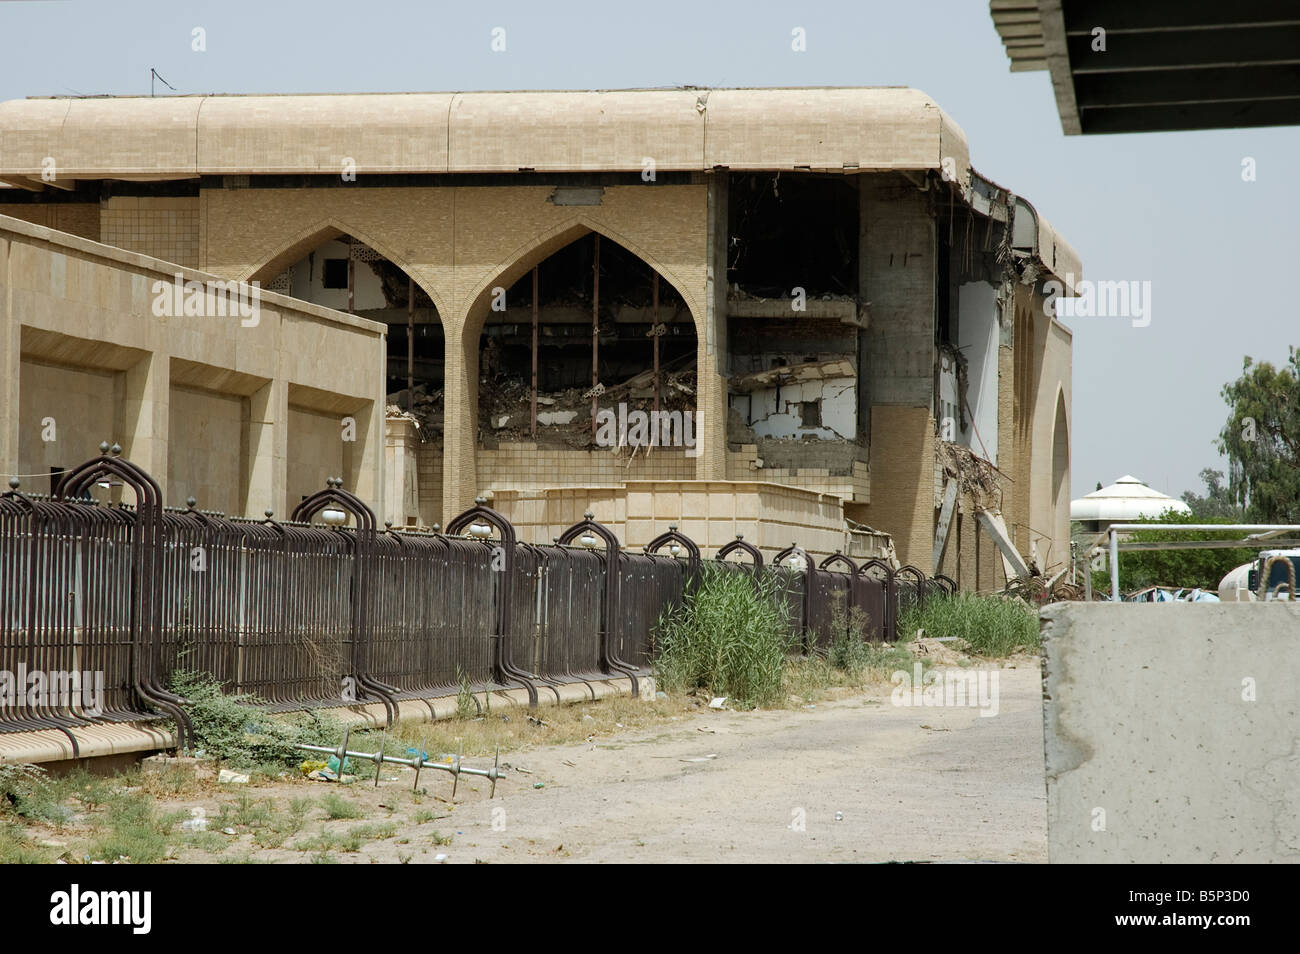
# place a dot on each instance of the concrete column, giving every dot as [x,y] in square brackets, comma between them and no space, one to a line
[897,274]
[363,458]
[459,419]
[143,417]
[712,363]
[266,451]
[902,480]
[10,367]
[401,471]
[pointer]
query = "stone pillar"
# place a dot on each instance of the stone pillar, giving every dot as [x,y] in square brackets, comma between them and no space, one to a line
[266,452]
[902,480]
[143,417]
[10,367]
[712,362]
[897,274]
[401,472]
[459,419]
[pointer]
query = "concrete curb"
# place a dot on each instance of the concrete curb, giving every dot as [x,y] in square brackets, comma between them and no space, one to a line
[118,739]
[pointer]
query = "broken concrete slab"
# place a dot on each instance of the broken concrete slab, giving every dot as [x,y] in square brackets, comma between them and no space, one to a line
[785,374]
[551,418]
[1172,732]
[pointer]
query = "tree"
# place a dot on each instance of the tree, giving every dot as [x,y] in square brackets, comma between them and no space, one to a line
[1176,568]
[1262,440]
[1217,504]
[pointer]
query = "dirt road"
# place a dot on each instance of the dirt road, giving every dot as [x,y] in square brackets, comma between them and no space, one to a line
[908,784]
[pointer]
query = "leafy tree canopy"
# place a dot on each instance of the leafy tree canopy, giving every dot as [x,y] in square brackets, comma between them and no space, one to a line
[1262,440]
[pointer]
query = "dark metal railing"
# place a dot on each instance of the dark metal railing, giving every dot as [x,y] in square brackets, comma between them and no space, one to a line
[329,609]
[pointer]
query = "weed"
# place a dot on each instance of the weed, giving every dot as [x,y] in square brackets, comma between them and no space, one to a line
[730,635]
[990,625]
[233,729]
[466,707]
[135,831]
[15,849]
[29,792]
[336,807]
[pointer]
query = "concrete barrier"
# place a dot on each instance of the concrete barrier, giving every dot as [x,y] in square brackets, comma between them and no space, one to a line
[1172,732]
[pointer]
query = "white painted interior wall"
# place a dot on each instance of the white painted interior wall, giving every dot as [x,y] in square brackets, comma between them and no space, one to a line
[309,284]
[771,416]
[977,339]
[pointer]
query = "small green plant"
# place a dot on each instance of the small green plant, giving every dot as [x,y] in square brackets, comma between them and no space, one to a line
[16,849]
[337,807]
[28,791]
[990,625]
[466,707]
[136,831]
[231,728]
[729,635]
[849,651]
[245,811]
[440,839]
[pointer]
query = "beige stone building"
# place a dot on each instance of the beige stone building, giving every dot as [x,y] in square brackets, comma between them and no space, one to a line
[834,328]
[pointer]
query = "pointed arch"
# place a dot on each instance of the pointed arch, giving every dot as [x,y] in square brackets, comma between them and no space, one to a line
[545,244]
[1060,450]
[273,263]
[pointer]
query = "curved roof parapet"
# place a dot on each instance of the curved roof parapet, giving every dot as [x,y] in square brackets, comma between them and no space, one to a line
[1030,232]
[1035,234]
[686,129]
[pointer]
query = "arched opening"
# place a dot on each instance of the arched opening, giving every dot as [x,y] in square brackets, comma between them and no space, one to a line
[590,349]
[337,270]
[1061,464]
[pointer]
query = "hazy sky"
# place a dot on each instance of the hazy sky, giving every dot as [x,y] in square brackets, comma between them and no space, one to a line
[1169,208]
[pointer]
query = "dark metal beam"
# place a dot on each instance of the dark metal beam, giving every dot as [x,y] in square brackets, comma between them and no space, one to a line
[1116,15]
[1129,119]
[1254,46]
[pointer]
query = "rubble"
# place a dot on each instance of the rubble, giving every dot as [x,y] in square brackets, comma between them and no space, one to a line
[505,412]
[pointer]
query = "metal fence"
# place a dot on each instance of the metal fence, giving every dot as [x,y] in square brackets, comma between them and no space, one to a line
[329,609]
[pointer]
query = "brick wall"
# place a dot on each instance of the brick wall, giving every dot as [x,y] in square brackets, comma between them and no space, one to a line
[165,228]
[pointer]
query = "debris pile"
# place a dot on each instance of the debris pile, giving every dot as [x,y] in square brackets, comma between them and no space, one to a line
[427,409]
[977,478]
[564,417]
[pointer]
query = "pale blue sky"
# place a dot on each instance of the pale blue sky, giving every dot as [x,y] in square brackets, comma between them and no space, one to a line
[1170,208]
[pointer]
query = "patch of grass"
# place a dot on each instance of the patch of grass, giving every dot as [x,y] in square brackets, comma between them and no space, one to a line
[17,849]
[990,625]
[440,839]
[135,830]
[27,791]
[337,807]
[245,811]
[729,635]
[213,842]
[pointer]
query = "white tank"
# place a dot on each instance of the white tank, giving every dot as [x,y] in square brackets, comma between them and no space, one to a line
[1235,586]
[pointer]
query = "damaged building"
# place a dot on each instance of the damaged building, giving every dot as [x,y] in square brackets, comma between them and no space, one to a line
[796,314]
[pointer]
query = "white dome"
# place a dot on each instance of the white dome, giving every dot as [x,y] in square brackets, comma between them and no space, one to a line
[1125,500]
